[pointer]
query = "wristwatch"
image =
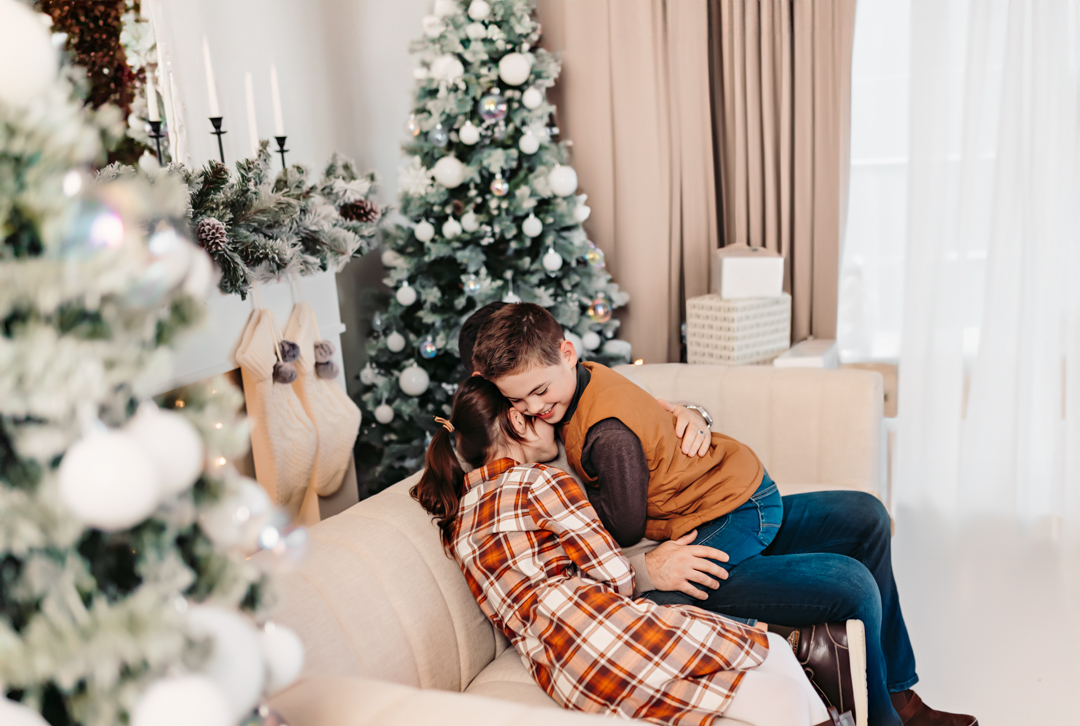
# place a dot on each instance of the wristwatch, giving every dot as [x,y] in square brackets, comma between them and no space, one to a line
[704,414]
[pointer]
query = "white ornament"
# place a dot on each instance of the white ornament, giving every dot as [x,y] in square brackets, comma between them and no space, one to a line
[108,482]
[552,260]
[424,231]
[414,380]
[479,10]
[514,69]
[511,298]
[173,444]
[284,656]
[579,346]
[384,414]
[532,227]
[470,222]
[618,349]
[406,295]
[469,134]
[590,340]
[562,180]
[447,68]
[581,213]
[476,31]
[395,342]
[445,8]
[13,713]
[532,98]
[236,662]
[182,701]
[27,57]
[390,258]
[449,172]
[236,521]
[528,143]
[433,26]
[451,228]
[368,376]
[420,73]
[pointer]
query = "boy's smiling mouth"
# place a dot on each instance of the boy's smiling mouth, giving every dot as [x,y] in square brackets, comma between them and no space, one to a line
[546,413]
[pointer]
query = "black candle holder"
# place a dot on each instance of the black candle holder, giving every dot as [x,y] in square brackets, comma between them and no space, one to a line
[216,121]
[157,136]
[281,148]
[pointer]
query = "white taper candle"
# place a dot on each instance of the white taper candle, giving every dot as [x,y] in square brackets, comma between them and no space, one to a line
[151,97]
[211,87]
[253,128]
[275,94]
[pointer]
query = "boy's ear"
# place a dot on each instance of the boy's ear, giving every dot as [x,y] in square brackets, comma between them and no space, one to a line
[569,352]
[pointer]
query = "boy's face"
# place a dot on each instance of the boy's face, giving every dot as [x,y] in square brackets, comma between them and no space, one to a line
[543,391]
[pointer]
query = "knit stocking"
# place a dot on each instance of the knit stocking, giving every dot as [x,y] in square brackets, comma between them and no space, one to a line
[336,417]
[283,438]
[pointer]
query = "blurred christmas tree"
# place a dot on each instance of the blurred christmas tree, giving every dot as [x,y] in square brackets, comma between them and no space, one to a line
[125,588]
[492,215]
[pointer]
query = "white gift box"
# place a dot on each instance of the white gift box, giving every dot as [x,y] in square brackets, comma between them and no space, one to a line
[812,353]
[737,332]
[740,271]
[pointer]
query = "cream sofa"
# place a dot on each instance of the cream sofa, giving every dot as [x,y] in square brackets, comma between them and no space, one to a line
[392,633]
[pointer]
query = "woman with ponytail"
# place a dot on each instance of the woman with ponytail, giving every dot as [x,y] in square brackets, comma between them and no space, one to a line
[546,572]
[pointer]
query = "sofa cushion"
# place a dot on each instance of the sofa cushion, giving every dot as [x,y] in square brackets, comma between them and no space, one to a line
[506,678]
[377,597]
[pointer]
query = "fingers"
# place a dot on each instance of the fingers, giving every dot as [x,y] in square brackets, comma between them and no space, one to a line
[669,407]
[687,538]
[710,553]
[706,442]
[692,591]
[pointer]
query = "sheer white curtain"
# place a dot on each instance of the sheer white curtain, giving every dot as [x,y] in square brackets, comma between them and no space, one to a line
[962,258]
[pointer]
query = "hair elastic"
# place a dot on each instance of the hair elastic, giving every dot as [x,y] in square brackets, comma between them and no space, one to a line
[446,424]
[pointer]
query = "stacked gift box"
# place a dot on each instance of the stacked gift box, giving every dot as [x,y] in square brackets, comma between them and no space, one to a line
[746,319]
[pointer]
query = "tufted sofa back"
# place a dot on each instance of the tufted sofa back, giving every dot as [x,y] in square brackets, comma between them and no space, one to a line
[377,597]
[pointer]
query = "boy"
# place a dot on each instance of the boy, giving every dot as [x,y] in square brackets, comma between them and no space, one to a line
[830,560]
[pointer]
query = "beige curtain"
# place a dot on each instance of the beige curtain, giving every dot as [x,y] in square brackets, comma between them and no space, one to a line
[633,98]
[781,85]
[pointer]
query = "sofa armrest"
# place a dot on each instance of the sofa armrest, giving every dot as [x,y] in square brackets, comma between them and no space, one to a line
[345,701]
[812,428]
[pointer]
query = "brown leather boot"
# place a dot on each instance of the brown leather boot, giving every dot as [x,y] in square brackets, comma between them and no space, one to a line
[913,712]
[833,656]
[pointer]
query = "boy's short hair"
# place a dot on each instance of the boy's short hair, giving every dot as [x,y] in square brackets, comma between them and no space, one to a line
[470,329]
[516,337]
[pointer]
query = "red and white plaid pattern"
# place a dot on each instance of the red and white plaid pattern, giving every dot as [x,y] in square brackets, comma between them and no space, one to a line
[547,573]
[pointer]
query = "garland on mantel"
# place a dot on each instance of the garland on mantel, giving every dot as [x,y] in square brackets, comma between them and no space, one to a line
[258,226]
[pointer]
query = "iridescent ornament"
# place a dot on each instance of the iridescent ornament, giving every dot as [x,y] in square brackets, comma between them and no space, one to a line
[413,125]
[96,227]
[377,323]
[471,284]
[438,136]
[594,256]
[428,349]
[492,107]
[499,186]
[599,310]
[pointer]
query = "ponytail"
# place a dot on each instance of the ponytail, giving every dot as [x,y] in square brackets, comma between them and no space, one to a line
[441,485]
[479,423]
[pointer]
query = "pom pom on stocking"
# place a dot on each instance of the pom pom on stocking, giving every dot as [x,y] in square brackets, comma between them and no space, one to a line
[289,350]
[284,372]
[324,351]
[328,370]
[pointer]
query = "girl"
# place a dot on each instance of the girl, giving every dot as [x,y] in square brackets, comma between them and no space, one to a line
[547,574]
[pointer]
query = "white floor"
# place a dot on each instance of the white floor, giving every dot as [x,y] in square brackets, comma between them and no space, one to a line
[994,616]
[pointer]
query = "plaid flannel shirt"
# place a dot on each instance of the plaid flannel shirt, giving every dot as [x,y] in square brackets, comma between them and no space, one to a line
[547,574]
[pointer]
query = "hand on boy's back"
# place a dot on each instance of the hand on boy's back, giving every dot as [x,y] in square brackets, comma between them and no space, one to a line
[677,564]
[690,426]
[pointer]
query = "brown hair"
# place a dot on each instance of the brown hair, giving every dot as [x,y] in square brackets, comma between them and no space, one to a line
[481,421]
[515,338]
[470,329]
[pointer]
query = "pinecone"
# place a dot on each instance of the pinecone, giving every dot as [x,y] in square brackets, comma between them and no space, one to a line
[457,207]
[360,211]
[211,235]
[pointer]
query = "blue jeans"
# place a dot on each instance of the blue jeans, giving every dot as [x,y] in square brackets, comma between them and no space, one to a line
[829,560]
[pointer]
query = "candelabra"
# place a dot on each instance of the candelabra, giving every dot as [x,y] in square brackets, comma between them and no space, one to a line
[157,136]
[216,121]
[281,149]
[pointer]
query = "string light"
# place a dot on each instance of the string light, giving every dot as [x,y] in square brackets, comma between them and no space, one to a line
[217,425]
[639,362]
[221,461]
[179,404]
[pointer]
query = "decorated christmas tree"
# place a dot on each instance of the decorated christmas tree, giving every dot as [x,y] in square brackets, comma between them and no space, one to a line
[126,590]
[491,214]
